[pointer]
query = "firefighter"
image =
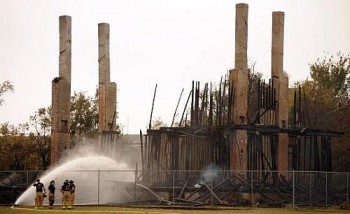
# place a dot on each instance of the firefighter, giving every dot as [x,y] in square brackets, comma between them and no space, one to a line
[52,189]
[72,192]
[66,199]
[40,193]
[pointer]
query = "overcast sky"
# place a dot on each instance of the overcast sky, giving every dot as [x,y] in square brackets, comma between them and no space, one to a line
[155,41]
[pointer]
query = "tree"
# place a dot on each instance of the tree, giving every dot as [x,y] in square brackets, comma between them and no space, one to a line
[6,86]
[327,93]
[158,122]
[17,148]
[41,121]
[326,102]
[254,81]
[333,75]
[84,114]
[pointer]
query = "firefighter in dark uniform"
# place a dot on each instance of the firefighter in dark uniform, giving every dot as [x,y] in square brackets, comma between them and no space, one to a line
[66,197]
[72,192]
[52,189]
[39,193]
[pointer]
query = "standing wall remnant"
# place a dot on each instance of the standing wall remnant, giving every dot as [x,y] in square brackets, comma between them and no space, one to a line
[280,82]
[61,89]
[239,80]
[107,90]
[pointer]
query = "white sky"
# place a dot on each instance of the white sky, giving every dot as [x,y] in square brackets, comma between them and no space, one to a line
[155,41]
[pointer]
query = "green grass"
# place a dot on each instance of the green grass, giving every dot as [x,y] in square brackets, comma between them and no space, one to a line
[139,210]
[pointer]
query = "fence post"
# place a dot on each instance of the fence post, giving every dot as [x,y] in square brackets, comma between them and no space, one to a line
[211,186]
[27,179]
[347,186]
[310,190]
[98,187]
[135,183]
[293,178]
[173,186]
[251,188]
[326,190]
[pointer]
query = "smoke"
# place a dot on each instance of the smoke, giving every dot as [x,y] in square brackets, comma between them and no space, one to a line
[210,173]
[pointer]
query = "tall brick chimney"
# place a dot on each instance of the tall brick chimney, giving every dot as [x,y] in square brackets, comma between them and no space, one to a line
[61,89]
[239,80]
[107,90]
[280,83]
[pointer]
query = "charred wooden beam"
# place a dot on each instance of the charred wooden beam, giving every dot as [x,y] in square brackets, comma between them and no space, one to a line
[177,105]
[154,97]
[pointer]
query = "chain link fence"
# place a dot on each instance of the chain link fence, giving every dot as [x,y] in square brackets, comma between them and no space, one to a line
[187,187]
[14,183]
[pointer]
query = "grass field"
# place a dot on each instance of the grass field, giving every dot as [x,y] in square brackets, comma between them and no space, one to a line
[121,210]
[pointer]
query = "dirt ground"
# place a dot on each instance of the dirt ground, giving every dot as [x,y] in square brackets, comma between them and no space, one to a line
[138,210]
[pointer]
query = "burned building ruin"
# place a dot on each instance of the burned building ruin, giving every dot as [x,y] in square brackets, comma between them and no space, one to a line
[243,125]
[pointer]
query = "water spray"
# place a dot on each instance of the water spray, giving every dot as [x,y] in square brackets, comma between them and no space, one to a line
[89,168]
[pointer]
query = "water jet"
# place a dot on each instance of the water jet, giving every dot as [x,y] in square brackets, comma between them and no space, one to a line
[95,174]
